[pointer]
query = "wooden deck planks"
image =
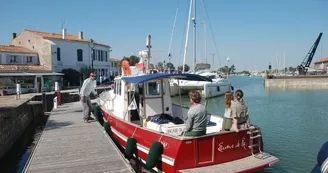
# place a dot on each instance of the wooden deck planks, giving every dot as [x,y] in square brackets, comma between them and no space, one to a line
[69,145]
[234,166]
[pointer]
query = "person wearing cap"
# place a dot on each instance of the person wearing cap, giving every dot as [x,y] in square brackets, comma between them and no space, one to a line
[86,89]
[239,111]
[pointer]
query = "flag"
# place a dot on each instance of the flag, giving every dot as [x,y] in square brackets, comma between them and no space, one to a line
[133,105]
[140,64]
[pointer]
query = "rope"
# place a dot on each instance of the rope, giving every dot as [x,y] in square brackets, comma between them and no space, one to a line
[207,18]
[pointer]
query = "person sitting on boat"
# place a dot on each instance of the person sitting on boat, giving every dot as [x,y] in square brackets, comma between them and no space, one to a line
[239,111]
[227,120]
[86,89]
[197,119]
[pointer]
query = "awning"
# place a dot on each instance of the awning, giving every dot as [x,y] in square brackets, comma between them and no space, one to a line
[148,77]
[16,74]
[48,74]
[31,74]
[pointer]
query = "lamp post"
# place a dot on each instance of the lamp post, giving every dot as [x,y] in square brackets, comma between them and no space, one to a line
[91,45]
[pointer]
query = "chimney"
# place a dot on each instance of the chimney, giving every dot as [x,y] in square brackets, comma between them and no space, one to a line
[14,35]
[81,35]
[64,32]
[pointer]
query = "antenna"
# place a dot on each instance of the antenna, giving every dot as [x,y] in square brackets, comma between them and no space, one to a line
[62,24]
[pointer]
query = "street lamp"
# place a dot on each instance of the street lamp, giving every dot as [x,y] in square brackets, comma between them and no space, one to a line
[91,45]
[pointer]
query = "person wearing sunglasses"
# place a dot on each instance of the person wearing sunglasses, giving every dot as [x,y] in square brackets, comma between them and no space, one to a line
[86,89]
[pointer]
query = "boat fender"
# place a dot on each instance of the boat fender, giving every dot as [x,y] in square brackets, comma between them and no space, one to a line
[154,154]
[106,126]
[131,148]
[98,114]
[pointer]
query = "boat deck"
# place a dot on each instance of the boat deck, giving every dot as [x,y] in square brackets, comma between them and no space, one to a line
[69,145]
[241,165]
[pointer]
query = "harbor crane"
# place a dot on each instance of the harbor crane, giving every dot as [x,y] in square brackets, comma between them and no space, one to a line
[303,67]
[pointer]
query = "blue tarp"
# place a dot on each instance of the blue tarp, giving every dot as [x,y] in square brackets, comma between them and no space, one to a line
[148,77]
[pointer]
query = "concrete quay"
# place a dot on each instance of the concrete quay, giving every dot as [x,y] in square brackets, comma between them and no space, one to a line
[297,82]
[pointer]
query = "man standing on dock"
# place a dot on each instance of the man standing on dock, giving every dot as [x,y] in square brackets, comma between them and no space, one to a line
[85,92]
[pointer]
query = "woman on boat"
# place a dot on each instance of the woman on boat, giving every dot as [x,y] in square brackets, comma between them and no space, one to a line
[227,120]
[239,111]
[197,120]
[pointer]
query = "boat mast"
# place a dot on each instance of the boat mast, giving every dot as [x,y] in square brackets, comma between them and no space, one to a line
[187,34]
[194,21]
[169,51]
[148,45]
[205,40]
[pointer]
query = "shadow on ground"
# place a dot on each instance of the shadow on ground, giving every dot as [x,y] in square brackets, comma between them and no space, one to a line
[56,125]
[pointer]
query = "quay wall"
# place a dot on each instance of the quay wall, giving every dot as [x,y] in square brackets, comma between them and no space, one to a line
[298,82]
[16,115]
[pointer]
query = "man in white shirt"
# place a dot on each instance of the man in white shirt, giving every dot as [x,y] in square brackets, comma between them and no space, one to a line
[86,89]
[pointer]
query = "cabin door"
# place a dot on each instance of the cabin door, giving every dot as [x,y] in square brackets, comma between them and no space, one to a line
[205,150]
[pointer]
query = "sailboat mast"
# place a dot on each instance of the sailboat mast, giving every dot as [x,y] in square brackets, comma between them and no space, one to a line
[187,34]
[194,21]
[205,41]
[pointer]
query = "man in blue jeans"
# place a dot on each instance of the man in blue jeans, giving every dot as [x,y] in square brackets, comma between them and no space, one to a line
[86,89]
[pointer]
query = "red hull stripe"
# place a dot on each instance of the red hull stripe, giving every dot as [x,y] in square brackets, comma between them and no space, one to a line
[165,159]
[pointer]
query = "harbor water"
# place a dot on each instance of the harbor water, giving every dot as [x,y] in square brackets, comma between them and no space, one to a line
[293,122]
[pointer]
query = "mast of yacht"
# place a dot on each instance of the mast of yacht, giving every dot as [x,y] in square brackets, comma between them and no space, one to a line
[187,34]
[194,22]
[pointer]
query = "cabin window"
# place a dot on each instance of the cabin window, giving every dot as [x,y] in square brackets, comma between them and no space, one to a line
[154,88]
[118,87]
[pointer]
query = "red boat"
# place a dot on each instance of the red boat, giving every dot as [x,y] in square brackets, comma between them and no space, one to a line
[145,123]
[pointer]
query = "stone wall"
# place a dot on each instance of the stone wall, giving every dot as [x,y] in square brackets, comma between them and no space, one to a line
[13,122]
[299,82]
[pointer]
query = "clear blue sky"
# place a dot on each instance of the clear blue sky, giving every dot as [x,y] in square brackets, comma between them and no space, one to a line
[249,32]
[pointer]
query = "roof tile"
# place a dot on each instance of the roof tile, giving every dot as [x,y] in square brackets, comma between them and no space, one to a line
[69,37]
[322,60]
[16,49]
[25,68]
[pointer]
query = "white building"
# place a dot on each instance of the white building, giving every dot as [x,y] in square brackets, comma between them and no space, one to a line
[114,66]
[63,51]
[21,65]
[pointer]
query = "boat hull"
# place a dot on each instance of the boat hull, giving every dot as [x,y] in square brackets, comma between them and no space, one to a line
[179,153]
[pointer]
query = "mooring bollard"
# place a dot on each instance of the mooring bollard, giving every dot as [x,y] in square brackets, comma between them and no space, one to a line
[58,93]
[44,102]
[55,103]
[18,91]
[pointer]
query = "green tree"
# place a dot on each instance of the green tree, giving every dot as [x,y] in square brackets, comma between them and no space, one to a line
[133,60]
[151,66]
[72,76]
[160,66]
[170,66]
[187,68]
[232,68]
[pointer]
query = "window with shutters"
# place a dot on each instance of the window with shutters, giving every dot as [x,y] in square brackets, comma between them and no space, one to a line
[79,55]
[58,54]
